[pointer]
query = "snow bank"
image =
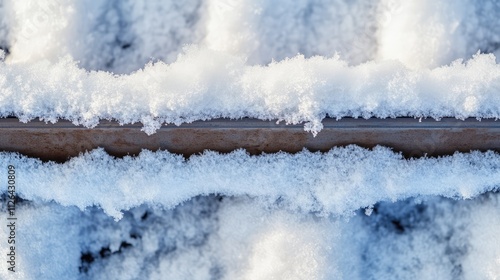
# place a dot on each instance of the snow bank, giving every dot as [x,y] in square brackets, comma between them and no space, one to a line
[335,183]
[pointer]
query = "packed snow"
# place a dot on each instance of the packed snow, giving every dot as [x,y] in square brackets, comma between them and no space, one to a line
[350,213]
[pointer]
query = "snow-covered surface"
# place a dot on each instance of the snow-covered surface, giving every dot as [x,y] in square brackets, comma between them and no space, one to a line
[293,61]
[205,84]
[338,182]
[347,214]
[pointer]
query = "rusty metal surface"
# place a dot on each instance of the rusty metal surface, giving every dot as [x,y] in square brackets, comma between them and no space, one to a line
[62,140]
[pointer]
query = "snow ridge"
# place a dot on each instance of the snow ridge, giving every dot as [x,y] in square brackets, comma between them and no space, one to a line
[335,183]
[204,84]
[294,62]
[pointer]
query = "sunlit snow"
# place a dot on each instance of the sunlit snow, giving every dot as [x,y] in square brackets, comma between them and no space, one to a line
[349,213]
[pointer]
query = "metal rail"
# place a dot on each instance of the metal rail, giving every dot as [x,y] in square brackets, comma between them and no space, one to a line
[410,136]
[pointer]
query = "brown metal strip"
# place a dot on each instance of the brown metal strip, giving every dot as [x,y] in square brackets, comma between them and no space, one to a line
[407,135]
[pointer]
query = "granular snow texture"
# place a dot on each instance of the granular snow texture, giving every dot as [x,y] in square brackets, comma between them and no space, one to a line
[292,61]
[350,213]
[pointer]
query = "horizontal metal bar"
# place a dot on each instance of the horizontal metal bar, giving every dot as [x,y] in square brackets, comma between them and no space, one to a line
[412,137]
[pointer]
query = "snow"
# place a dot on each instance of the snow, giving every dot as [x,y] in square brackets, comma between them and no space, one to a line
[120,36]
[428,34]
[235,216]
[215,237]
[204,84]
[350,213]
[264,59]
[335,183]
